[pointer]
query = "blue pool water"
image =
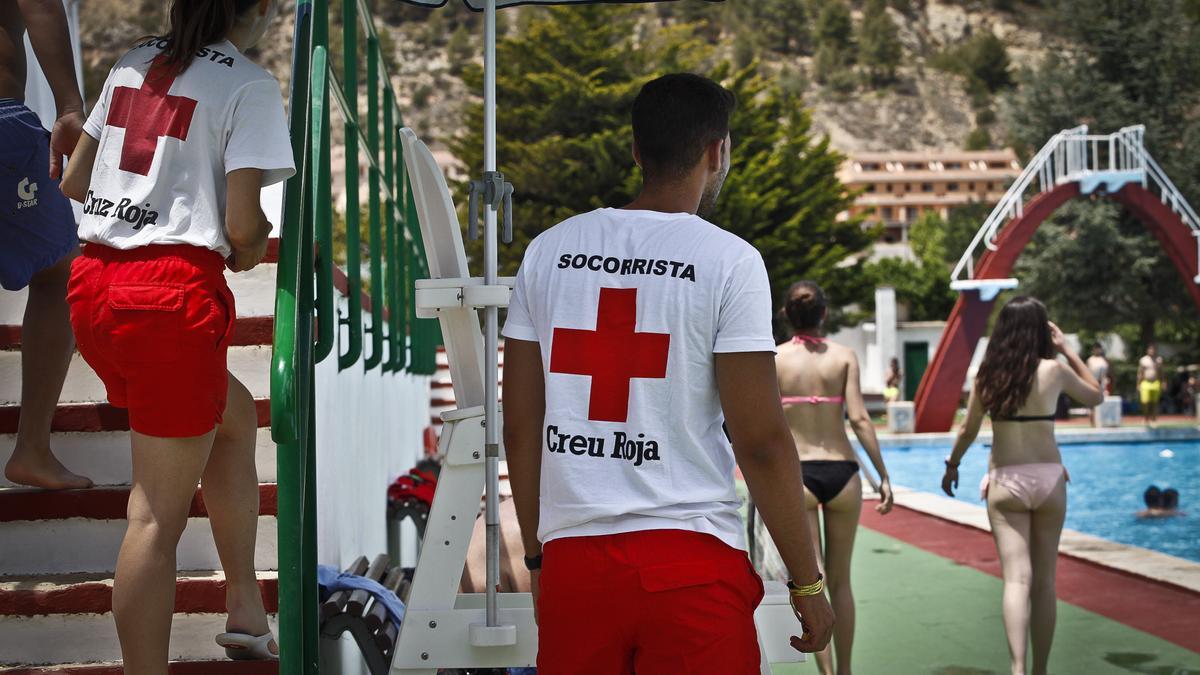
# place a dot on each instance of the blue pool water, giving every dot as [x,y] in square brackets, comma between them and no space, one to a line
[1107,481]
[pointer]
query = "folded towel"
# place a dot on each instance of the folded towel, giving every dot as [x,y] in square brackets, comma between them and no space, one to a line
[331,580]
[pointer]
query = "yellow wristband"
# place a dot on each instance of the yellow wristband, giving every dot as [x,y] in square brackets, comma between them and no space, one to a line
[815,588]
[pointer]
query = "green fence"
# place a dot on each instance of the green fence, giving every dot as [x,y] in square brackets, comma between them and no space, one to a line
[307,318]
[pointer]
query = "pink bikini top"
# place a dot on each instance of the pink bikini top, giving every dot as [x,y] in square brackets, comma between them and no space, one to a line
[794,400]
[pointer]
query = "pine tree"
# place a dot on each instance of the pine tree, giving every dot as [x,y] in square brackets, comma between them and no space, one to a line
[833,36]
[783,194]
[879,46]
[566,84]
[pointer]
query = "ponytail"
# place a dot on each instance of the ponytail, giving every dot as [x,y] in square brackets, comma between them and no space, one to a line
[197,23]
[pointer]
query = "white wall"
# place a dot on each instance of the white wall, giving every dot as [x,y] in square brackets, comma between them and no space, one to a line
[369,431]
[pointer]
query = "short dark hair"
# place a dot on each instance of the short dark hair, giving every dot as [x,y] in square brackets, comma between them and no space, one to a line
[676,117]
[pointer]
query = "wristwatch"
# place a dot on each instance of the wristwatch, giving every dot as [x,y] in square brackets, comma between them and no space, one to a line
[951,465]
[534,562]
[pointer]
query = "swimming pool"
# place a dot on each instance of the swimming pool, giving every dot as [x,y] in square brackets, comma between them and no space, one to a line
[1107,481]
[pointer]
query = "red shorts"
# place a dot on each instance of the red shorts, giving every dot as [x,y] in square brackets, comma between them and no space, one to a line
[155,323]
[659,602]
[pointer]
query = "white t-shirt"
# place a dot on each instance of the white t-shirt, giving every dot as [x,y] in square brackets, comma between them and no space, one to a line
[167,142]
[629,308]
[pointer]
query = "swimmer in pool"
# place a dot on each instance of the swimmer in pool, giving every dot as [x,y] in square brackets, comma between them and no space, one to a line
[1160,503]
[819,383]
[1018,384]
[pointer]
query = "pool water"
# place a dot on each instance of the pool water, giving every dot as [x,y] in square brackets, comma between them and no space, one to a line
[1105,493]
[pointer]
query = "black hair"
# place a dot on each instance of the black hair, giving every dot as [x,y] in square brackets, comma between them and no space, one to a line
[1170,499]
[675,118]
[805,307]
[196,23]
[1153,497]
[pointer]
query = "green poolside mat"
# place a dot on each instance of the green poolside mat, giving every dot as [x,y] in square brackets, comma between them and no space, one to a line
[919,613]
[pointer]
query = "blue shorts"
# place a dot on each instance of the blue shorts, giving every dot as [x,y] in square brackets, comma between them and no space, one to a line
[37,224]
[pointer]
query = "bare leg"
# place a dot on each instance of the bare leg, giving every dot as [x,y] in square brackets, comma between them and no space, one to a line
[165,473]
[1010,528]
[231,495]
[1045,530]
[841,524]
[825,656]
[46,346]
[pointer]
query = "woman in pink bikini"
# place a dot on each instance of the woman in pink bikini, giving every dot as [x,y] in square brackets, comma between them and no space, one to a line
[819,383]
[1018,385]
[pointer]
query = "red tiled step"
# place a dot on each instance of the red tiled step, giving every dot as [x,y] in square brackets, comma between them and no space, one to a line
[247,331]
[272,251]
[91,594]
[98,417]
[176,668]
[107,503]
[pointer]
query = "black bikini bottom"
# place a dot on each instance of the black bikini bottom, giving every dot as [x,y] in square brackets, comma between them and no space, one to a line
[826,478]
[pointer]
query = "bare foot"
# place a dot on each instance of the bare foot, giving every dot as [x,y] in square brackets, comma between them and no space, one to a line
[43,470]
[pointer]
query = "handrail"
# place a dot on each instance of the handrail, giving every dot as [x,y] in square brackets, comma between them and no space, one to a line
[1069,156]
[308,313]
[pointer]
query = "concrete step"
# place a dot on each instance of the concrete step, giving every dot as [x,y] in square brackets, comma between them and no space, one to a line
[90,638]
[80,531]
[201,591]
[250,364]
[88,417]
[215,667]
[254,292]
[104,456]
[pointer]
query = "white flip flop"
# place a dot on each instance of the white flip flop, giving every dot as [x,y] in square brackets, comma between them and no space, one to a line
[244,647]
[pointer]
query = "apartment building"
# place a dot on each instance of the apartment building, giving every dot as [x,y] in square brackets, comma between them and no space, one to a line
[896,188]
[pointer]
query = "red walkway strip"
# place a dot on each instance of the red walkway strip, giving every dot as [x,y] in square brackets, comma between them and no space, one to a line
[98,503]
[99,417]
[95,597]
[1169,612]
[176,668]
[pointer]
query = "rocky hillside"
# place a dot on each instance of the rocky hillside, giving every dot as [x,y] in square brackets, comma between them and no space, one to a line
[926,106]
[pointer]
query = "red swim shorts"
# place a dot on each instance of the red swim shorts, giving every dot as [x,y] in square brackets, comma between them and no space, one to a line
[155,323]
[658,602]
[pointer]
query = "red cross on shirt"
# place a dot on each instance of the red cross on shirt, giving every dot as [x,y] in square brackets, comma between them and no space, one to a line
[148,114]
[611,355]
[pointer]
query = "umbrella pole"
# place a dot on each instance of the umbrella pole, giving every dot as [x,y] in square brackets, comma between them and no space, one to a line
[491,318]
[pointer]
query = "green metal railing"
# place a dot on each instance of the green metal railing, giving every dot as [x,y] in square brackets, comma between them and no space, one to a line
[307,321]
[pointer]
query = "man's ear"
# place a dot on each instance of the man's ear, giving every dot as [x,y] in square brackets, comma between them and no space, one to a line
[637,155]
[715,155]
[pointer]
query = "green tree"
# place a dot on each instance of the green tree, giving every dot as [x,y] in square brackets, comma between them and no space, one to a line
[923,284]
[1127,66]
[835,54]
[1072,262]
[834,26]
[985,58]
[783,194]
[879,47]
[778,25]
[566,84]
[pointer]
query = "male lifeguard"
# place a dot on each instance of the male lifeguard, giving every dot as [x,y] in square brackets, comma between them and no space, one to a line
[37,227]
[632,334]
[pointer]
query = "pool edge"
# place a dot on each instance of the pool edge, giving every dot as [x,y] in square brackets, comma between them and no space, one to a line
[1132,560]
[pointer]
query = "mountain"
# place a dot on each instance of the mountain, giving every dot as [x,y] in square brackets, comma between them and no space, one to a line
[930,104]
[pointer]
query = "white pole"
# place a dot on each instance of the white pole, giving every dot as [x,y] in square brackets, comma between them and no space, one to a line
[491,339]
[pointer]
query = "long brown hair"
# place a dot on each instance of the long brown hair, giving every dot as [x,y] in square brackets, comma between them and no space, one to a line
[196,23]
[1019,342]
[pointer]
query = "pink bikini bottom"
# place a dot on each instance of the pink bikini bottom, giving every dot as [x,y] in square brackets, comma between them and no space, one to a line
[1030,483]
